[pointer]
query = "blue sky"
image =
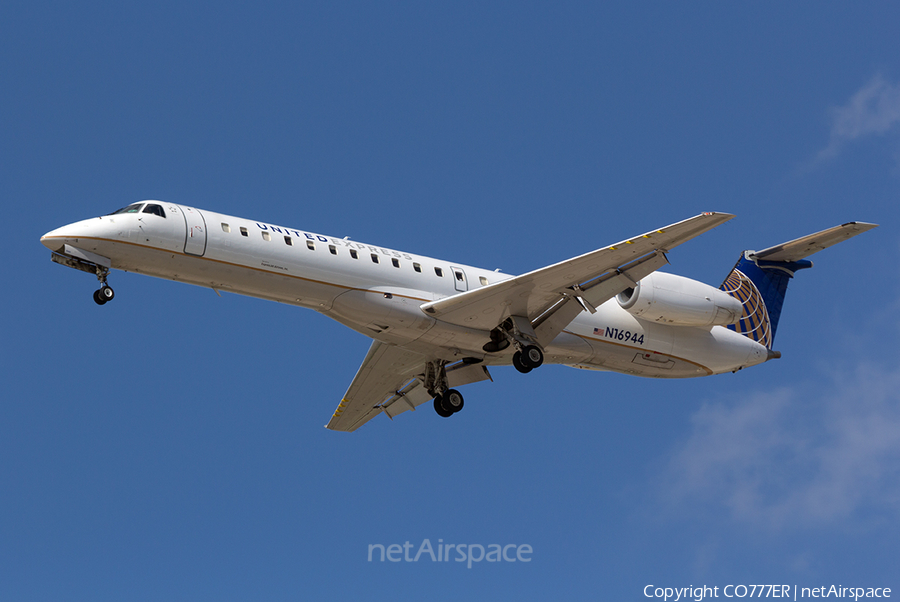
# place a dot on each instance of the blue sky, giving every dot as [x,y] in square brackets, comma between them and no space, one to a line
[170,445]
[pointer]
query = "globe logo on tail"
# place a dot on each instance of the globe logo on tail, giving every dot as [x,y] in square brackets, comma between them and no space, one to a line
[754,323]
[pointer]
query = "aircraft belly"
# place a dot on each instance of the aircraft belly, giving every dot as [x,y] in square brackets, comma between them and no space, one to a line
[449,342]
[393,317]
[568,348]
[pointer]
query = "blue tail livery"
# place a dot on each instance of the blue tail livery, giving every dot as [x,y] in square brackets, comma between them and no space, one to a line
[759,280]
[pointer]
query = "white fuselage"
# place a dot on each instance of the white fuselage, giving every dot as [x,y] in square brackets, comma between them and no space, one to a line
[378,291]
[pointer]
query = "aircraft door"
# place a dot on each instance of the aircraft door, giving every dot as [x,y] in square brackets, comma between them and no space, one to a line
[195,231]
[459,279]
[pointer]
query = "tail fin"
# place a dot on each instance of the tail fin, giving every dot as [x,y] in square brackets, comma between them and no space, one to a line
[759,279]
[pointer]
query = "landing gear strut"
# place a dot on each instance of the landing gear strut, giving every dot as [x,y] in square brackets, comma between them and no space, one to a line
[519,332]
[90,263]
[104,294]
[447,401]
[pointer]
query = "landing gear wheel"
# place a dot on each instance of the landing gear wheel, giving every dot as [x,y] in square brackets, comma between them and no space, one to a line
[532,356]
[104,295]
[452,401]
[519,365]
[439,408]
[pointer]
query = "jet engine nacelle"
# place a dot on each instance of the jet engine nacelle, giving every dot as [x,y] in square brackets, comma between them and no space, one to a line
[679,301]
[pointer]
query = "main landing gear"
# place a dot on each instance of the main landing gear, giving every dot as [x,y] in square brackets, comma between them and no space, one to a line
[517,331]
[529,358]
[447,401]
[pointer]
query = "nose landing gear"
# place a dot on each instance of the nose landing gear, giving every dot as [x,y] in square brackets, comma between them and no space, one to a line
[104,295]
[91,263]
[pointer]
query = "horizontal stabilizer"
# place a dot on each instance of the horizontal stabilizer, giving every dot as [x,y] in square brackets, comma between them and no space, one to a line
[806,246]
[760,279]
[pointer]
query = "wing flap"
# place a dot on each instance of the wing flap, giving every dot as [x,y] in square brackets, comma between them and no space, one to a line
[384,371]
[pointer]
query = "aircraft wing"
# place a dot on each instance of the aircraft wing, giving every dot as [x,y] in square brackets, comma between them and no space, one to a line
[557,293]
[806,246]
[390,381]
[384,372]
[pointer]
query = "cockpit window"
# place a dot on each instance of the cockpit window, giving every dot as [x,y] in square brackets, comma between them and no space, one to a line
[154,209]
[135,208]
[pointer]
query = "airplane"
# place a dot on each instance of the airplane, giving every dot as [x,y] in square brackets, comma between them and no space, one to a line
[438,325]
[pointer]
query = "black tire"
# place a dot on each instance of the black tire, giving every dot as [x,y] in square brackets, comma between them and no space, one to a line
[452,401]
[106,293]
[97,299]
[517,362]
[439,408]
[533,357]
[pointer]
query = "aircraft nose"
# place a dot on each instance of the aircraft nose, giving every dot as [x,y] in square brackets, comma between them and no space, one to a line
[55,239]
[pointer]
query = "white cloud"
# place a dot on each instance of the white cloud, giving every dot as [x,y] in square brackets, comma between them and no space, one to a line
[797,456]
[873,110]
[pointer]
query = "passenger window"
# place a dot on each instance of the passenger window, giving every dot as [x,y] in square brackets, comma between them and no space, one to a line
[483,280]
[459,276]
[244,231]
[374,258]
[332,249]
[439,272]
[395,263]
[310,245]
[354,254]
[288,241]
[226,227]
[155,210]
[417,267]
[266,235]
